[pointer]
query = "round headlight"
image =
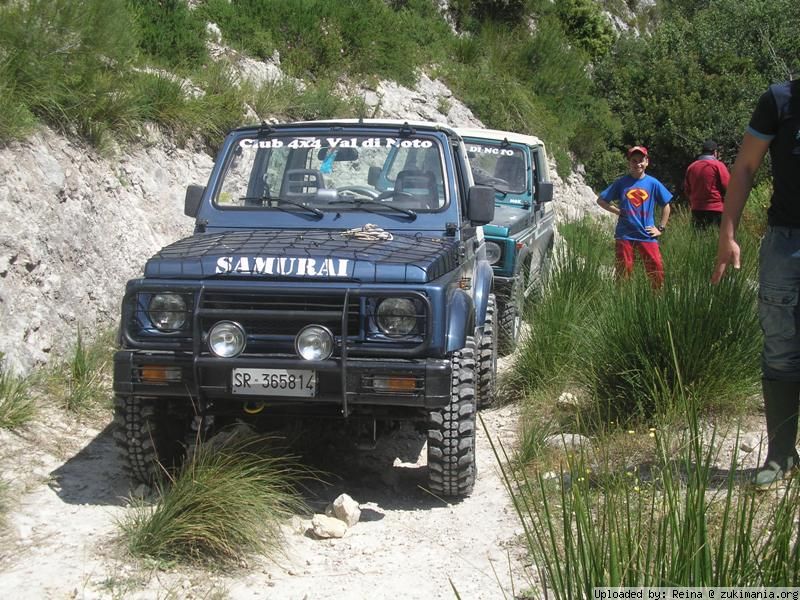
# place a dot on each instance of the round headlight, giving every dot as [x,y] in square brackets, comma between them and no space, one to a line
[397,316]
[314,342]
[167,311]
[493,252]
[226,339]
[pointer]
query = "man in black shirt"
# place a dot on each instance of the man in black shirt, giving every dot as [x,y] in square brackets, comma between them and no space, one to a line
[774,126]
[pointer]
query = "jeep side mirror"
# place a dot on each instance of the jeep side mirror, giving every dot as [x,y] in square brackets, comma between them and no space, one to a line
[544,192]
[373,175]
[480,204]
[194,196]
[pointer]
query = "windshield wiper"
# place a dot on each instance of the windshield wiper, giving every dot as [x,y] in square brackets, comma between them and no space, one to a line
[360,201]
[280,201]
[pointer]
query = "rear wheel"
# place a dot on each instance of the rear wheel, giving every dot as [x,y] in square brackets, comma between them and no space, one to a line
[451,431]
[151,435]
[487,356]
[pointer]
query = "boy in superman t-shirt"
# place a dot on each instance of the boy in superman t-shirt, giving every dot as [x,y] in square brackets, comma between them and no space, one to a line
[634,197]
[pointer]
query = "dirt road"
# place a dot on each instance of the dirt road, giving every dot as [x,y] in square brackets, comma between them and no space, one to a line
[68,493]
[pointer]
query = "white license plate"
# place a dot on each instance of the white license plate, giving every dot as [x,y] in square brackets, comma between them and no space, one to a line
[274,382]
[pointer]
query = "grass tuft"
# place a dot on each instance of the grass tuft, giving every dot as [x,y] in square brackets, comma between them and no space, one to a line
[17,406]
[227,501]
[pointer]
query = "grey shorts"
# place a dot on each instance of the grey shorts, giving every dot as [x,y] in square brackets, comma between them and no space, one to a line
[778,293]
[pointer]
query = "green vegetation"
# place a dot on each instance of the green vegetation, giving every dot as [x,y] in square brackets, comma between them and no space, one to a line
[82,383]
[611,339]
[662,508]
[17,406]
[698,76]
[683,520]
[93,68]
[226,501]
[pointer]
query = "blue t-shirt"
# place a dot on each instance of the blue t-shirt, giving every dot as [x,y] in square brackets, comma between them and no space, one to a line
[636,199]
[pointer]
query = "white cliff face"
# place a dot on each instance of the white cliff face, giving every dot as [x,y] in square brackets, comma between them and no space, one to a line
[77,226]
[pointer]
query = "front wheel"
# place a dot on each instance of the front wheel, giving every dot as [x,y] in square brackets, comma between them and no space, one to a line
[451,431]
[150,434]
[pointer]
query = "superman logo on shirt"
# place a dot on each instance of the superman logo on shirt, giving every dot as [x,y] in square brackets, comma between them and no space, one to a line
[637,196]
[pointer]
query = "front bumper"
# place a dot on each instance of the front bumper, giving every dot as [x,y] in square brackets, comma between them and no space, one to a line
[349,383]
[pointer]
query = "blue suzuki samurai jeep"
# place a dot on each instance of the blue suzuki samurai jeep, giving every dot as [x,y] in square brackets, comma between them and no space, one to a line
[519,240]
[337,269]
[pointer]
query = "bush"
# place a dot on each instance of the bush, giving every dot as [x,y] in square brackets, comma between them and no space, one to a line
[698,78]
[64,63]
[227,501]
[169,33]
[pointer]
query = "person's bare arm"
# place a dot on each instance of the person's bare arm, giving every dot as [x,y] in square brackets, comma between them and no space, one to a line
[655,231]
[747,162]
[607,206]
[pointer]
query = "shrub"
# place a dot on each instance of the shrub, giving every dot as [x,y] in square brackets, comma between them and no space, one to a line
[169,33]
[62,60]
[226,501]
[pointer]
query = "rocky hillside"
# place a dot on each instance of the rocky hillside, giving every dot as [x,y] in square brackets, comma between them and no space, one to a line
[78,225]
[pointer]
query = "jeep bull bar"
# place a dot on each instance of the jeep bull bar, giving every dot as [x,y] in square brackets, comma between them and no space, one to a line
[366,366]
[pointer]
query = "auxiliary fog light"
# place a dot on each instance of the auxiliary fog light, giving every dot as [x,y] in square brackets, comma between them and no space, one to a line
[226,339]
[314,342]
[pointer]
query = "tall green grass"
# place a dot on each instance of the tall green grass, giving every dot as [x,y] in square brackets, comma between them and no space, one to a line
[64,61]
[17,406]
[82,382]
[611,339]
[684,521]
[226,502]
[569,301]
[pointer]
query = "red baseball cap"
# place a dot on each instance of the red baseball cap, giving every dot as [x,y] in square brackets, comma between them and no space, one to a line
[641,149]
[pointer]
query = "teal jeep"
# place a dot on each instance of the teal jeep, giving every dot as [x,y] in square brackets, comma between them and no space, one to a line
[519,240]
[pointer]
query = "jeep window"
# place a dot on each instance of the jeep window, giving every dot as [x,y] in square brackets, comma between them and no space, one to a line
[324,171]
[500,166]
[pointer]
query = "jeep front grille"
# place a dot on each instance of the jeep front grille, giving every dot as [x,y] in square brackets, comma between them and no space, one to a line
[272,321]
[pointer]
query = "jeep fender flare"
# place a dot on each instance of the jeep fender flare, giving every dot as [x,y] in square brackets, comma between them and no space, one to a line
[460,319]
[520,261]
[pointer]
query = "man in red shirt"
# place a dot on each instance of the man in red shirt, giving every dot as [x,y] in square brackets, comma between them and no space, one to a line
[705,184]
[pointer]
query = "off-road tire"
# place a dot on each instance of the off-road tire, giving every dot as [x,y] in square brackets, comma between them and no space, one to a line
[150,434]
[451,431]
[509,322]
[487,356]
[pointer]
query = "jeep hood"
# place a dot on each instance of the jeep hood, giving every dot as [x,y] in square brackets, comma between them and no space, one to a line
[305,255]
[508,220]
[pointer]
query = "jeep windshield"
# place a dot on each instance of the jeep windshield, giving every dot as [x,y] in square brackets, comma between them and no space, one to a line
[500,165]
[401,174]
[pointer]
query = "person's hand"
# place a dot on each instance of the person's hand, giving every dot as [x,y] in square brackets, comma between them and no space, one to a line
[727,254]
[653,231]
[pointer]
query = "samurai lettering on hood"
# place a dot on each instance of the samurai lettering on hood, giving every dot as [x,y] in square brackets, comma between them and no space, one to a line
[271,265]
